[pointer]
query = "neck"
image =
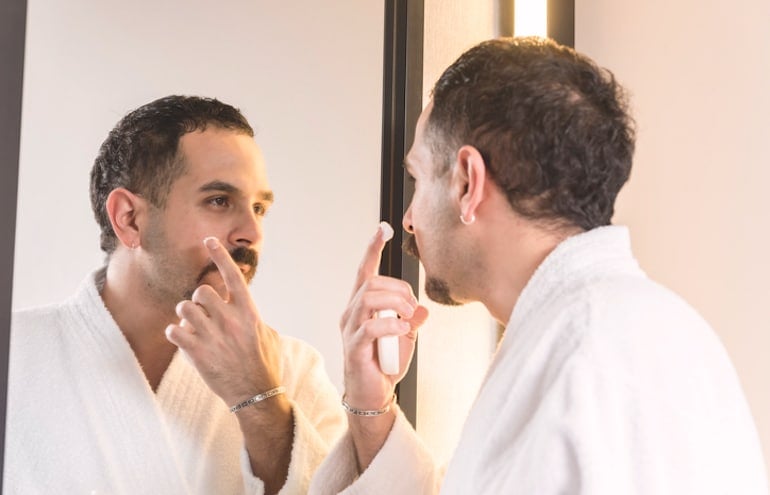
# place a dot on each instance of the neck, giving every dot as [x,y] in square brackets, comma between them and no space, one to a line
[140,318]
[514,252]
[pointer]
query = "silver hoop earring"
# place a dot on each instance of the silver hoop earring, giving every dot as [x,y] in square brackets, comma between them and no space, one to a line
[469,221]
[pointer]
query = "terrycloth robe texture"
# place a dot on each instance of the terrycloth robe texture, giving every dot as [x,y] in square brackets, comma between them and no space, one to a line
[83,419]
[604,383]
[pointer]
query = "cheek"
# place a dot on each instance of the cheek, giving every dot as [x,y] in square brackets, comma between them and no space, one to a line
[187,247]
[418,209]
[189,234]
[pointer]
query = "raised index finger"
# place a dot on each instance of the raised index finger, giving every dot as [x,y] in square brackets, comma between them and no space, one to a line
[231,274]
[370,264]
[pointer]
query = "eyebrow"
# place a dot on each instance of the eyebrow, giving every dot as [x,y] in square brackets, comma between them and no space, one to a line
[218,185]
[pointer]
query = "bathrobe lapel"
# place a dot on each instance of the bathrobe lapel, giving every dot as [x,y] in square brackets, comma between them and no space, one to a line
[119,403]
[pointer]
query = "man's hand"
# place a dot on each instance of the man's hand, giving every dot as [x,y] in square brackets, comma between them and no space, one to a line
[235,352]
[239,356]
[366,387]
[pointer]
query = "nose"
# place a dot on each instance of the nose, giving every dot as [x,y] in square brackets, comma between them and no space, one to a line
[247,229]
[406,222]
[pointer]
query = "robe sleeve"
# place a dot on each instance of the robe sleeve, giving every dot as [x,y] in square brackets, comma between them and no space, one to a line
[319,420]
[403,465]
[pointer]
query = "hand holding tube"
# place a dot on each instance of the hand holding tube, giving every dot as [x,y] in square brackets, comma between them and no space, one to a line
[367,387]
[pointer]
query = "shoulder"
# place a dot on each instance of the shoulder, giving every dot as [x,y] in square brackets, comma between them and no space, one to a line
[639,306]
[634,328]
[39,319]
[85,303]
[634,332]
[37,336]
[40,333]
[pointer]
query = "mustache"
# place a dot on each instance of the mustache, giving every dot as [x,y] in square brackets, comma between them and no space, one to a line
[241,256]
[409,245]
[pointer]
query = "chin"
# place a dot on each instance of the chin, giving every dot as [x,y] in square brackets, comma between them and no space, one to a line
[438,290]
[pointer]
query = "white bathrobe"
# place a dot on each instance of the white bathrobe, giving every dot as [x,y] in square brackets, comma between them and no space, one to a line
[604,383]
[82,418]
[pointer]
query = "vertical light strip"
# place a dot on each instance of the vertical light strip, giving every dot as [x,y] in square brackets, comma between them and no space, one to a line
[530,18]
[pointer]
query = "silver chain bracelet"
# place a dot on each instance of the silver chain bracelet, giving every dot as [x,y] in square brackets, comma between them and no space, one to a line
[363,412]
[259,398]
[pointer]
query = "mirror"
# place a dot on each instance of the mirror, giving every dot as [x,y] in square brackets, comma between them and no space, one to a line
[307,75]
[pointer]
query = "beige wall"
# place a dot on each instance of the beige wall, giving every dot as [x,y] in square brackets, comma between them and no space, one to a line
[699,74]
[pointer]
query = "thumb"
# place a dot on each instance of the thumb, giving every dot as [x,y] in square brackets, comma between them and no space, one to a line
[419,317]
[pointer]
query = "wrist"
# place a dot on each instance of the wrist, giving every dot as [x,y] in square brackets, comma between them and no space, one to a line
[371,395]
[369,434]
[355,411]
[271,416]
[258,398]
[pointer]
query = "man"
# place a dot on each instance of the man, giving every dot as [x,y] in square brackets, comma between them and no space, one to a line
[158,375]
[604,381]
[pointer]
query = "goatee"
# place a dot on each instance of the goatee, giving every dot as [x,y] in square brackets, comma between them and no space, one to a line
[438,291]
[435,288]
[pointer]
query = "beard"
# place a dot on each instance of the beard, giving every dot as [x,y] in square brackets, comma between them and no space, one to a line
[436,288]
[438,291]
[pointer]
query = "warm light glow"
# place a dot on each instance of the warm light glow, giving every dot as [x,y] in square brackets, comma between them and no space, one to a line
[530,18]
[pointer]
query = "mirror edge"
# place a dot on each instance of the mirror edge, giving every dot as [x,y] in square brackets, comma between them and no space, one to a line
[401,106]
[13,15]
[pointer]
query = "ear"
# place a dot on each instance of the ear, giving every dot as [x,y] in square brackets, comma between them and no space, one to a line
[125,211]
[470,175]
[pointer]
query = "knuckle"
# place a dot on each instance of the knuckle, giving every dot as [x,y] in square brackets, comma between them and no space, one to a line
[368,328]
[183,307]
[365,286]
[366,299]
[198,295]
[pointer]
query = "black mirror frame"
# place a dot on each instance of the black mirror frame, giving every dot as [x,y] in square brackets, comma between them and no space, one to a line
[401,106]
[13,21]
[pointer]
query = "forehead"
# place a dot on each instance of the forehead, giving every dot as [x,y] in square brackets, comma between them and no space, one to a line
[224,155]
[419,159]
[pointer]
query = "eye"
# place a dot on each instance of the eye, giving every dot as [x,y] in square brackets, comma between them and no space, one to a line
[260,209]
[220,201]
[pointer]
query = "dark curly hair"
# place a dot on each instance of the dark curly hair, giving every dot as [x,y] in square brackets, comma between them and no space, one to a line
[141,152]
[552,127]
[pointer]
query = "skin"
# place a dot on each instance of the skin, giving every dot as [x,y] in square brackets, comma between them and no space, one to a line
[216,205]
[490,260]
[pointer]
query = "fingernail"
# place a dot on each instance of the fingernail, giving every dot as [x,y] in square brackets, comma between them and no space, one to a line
[387,231]
[211,242]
